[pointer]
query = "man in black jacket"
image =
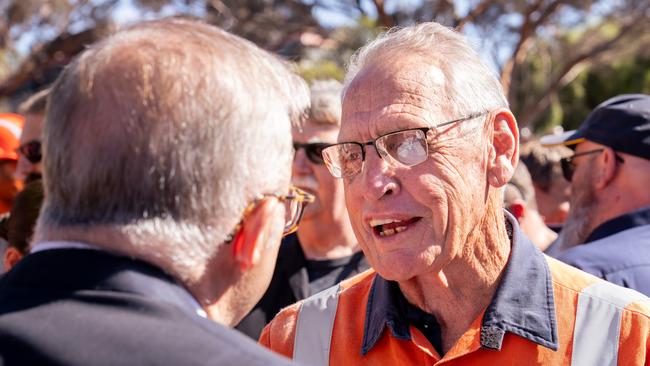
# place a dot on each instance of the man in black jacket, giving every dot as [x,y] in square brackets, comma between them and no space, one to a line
[167,150]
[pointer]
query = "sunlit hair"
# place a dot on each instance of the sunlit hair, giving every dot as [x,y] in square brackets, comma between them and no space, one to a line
[35,104]
[164,133]
[326,102]
[471,86]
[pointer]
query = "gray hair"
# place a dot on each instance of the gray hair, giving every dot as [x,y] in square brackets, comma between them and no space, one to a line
[326,102]
[164,133]
[35,104]
[472,86]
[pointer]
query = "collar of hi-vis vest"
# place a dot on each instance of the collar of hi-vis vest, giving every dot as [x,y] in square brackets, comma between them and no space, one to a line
[523,303]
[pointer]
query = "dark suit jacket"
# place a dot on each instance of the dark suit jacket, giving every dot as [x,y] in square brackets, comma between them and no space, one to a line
[290,283]
[88,307]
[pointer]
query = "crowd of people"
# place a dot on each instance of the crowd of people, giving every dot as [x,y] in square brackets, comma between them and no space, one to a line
[180,194]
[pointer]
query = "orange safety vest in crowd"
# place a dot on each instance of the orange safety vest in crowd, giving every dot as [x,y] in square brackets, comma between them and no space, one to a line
[544,312]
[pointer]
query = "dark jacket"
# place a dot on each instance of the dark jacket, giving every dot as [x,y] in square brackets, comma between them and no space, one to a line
[290,284]
[617,251]
[88,307]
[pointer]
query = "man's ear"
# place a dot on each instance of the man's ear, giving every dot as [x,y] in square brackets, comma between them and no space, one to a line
[11,257]
[251,241]
[505,148]
[608,165]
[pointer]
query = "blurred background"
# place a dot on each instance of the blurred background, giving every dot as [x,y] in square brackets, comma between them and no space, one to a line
[557,59]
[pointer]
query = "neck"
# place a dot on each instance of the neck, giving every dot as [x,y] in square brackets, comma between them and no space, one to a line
[327,239]
[460,292]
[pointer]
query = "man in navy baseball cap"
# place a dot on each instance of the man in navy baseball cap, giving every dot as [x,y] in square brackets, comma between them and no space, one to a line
[607,232]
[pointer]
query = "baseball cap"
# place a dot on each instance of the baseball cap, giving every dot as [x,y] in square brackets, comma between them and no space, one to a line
[11,126]
[621,123]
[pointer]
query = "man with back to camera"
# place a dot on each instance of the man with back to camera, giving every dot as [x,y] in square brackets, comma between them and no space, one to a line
[167,149]
[427,144]
[552,191]
[324,251]
[607,232]
[519,200]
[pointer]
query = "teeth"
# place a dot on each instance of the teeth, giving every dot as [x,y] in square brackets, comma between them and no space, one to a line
[387,232]
[377,222]
[399,229]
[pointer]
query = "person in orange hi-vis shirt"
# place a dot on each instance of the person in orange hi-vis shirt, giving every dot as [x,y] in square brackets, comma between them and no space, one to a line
[11,126]
[427,144]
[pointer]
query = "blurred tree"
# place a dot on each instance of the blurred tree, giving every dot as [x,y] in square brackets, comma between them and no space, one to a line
[538,47]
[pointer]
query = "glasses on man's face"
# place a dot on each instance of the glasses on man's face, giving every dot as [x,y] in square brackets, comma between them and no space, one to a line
[314,151]
[408,147]
[569,168]
[31,150]
[294,206]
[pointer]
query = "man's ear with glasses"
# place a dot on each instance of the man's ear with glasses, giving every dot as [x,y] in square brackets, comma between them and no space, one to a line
[251,241]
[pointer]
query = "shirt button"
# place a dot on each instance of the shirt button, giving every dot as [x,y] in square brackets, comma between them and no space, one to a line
[426,326]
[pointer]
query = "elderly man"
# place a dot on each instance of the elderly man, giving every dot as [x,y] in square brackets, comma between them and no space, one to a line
[427,144]
[324,250]
[607,232]
[167,168]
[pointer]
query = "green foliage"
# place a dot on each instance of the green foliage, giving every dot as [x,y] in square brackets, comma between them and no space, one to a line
[321,69]
[594,86]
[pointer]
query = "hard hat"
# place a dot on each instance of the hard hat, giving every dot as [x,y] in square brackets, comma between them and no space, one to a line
[11,126]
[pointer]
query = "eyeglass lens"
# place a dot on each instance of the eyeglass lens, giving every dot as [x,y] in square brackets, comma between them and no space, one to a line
[407,147]
[32,151]
[567,168]
[314,151]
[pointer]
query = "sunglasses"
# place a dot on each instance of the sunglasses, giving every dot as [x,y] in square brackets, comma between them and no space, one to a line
[31,150]
[568,168]
[314,151]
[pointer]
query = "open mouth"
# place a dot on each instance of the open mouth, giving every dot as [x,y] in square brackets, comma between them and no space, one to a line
[388,227]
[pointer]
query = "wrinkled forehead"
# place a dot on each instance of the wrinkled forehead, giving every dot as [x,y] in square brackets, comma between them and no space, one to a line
[392,96]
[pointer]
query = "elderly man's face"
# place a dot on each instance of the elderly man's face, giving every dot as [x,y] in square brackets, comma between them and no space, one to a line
[412,220]
[314,178]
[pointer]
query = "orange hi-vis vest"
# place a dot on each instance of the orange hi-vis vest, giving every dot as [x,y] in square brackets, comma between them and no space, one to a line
[543,313]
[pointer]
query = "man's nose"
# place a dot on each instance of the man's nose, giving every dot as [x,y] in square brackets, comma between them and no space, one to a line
[301,164]
[377,176]
[23,167]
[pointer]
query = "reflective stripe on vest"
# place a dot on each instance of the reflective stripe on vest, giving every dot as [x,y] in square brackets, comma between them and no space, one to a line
[311,345]
[598,323]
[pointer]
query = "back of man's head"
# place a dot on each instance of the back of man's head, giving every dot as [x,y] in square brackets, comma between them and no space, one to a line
[162,134]
[551,189]
[520,188]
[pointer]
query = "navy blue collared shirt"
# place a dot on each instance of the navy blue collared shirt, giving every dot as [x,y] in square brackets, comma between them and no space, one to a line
[523,303]
[617,251]
[620,223]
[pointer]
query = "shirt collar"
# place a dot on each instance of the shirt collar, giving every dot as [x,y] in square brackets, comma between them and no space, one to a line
[523,303]
[626,221]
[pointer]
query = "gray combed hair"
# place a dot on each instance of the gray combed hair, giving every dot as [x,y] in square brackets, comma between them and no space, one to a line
[164,133]
[326,102]
[472,86]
